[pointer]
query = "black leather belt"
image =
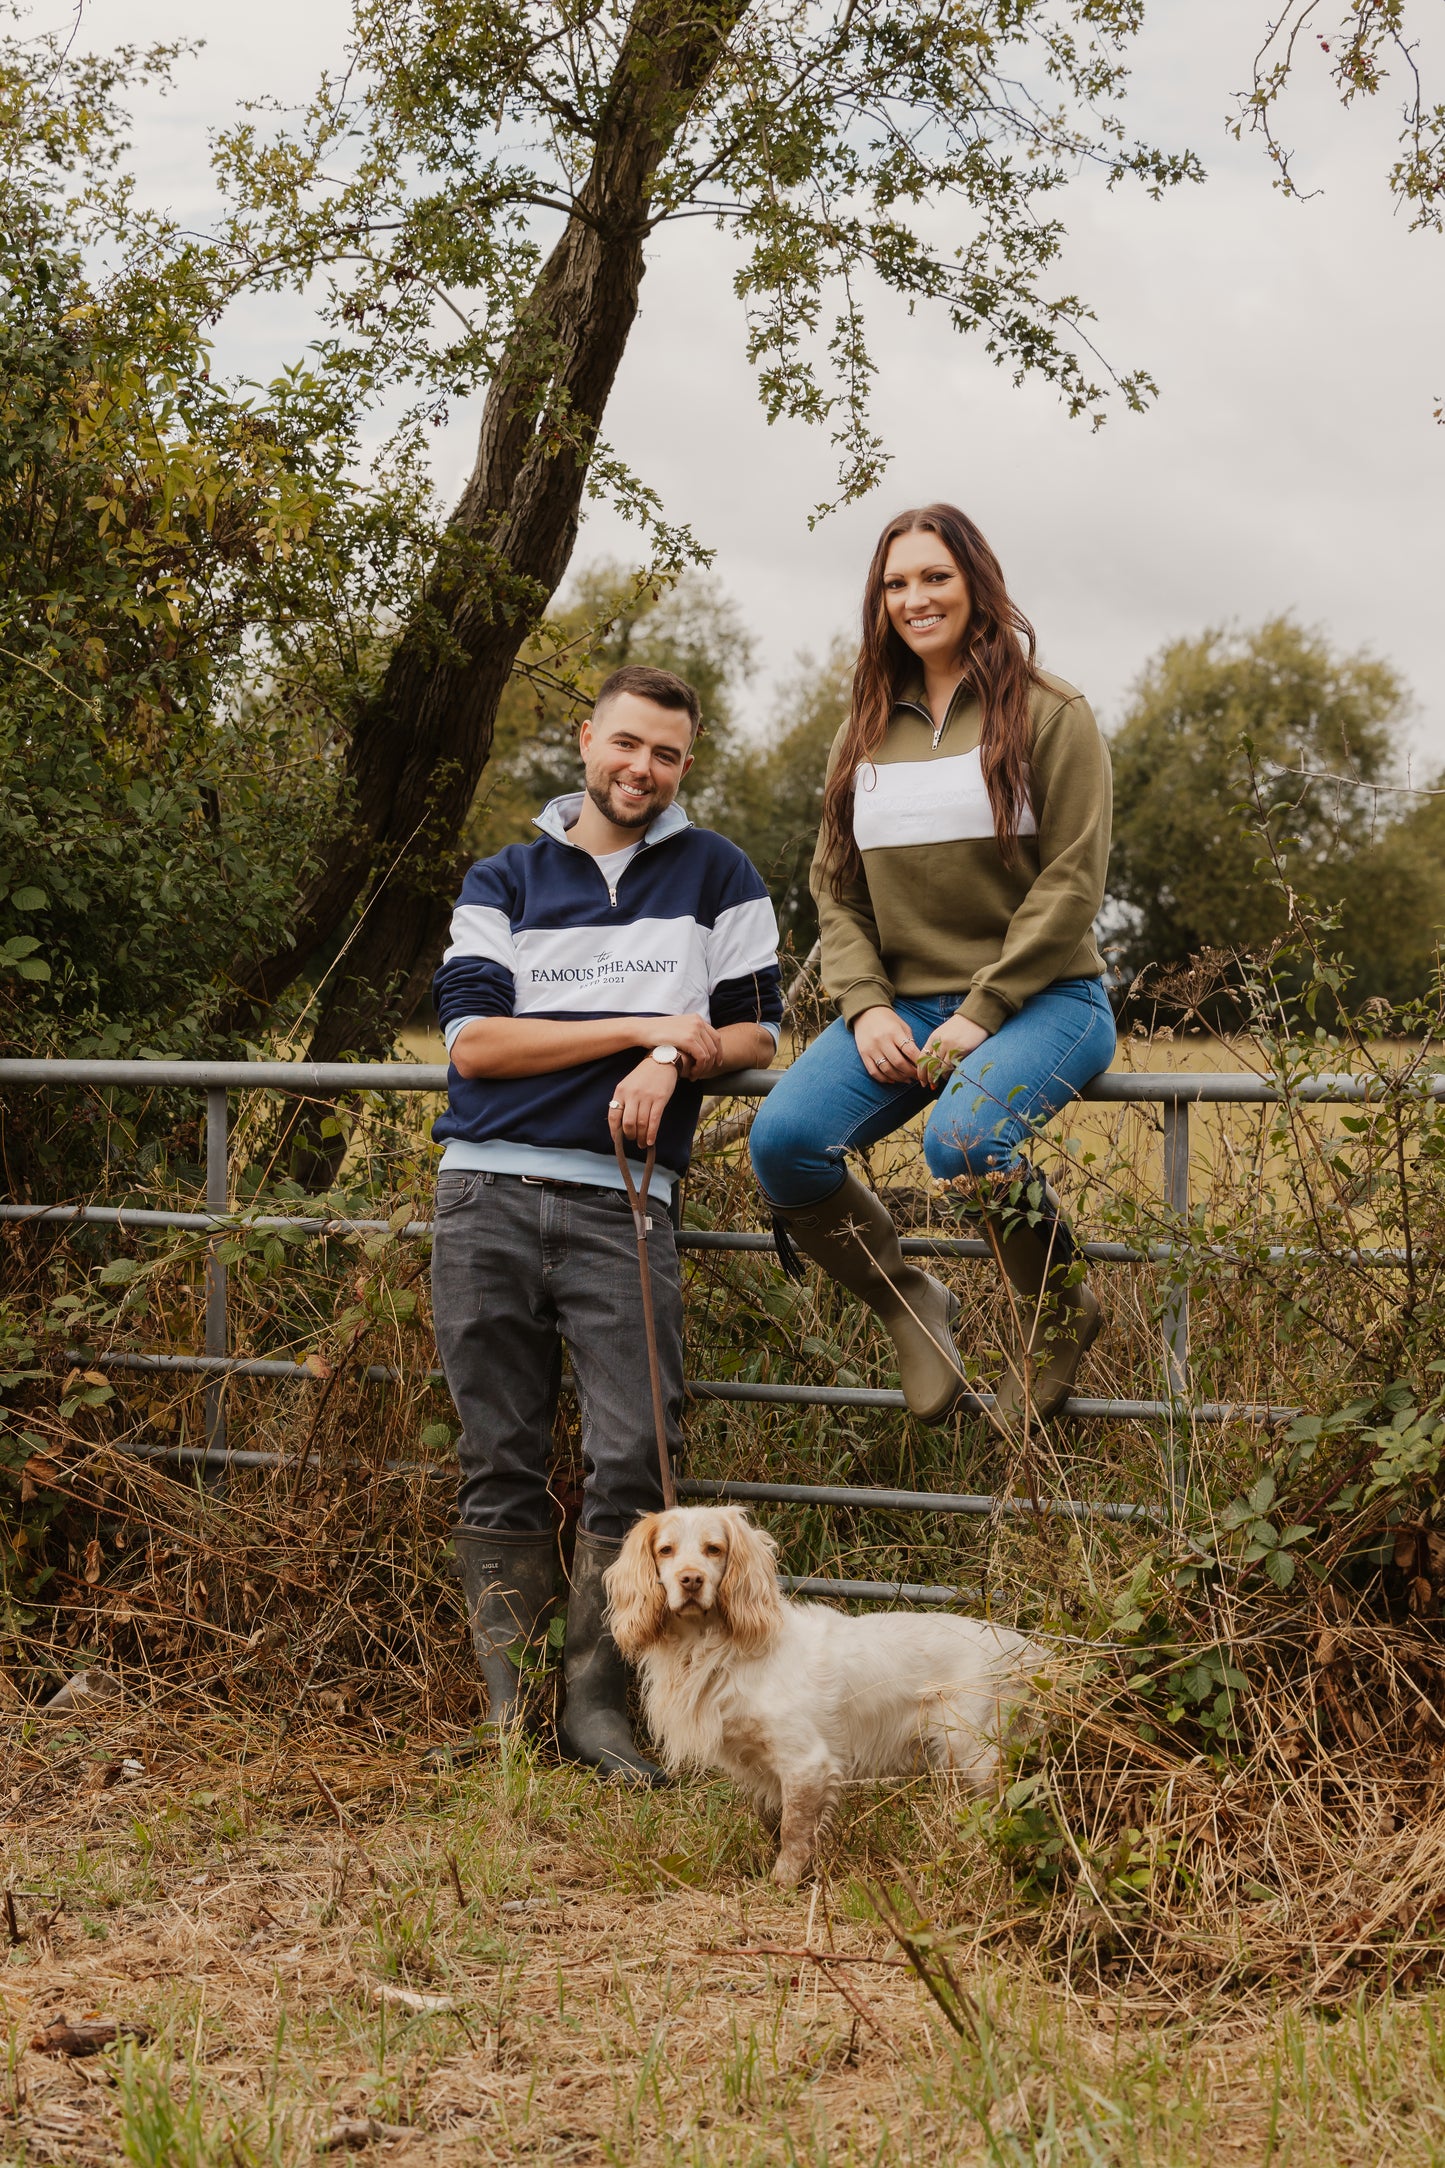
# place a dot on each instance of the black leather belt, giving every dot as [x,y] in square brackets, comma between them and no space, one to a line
[552,1181]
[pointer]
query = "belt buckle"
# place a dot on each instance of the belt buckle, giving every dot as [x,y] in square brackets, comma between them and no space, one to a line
[535,1181]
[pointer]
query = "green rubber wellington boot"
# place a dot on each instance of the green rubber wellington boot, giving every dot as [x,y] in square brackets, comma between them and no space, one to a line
[1058,1314]
[852,1237]
[594,1727]
[510,1585]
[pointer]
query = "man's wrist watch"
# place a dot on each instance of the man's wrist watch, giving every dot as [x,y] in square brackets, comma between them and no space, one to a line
[666,1054]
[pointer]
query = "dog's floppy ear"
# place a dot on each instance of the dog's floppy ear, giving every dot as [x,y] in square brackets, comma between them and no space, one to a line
[636,1598]
[748,1595]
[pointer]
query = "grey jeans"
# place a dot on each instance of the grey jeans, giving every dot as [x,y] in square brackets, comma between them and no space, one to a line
[519,1269]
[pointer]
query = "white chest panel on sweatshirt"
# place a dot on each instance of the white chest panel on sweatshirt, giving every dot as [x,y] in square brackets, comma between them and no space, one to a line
[909,802]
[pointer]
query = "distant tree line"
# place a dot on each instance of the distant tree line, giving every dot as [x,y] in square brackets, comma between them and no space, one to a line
[1250,762]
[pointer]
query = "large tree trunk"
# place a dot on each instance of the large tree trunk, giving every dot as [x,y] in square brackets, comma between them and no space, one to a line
[418,752]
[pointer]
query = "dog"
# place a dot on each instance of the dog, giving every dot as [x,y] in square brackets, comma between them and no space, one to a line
[794,1701]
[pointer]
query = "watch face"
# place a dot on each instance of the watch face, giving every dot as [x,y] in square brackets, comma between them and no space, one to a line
[665,1053]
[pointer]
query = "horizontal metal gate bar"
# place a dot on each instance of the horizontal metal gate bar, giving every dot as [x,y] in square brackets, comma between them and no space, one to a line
[876,1591]
[1211,1413]
[727,1491]
[203,1458]
[135,1218]
[336,1079]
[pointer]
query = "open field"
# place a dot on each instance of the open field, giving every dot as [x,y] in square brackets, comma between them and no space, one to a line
[610,1981]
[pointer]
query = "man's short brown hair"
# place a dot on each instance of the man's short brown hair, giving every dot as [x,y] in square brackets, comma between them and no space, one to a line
[664,687]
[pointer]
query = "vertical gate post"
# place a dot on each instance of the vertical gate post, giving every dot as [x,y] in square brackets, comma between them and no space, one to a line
[218,1186]
[1176,1197]
[1176,1315]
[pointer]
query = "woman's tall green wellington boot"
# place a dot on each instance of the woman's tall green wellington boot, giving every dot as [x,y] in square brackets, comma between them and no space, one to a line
[1058,1314]
[852,1237]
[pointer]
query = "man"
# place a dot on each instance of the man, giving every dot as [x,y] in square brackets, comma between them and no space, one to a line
[596,977]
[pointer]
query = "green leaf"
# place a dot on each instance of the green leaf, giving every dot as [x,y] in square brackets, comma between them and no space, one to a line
[119,1270]
[29,899]
[1280,1566]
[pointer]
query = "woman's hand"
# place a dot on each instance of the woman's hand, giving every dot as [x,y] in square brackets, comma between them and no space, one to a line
[886,1046]
[638,1102]
[949,1044]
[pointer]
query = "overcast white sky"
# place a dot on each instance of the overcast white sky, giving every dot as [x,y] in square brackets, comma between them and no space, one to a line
[1291,463]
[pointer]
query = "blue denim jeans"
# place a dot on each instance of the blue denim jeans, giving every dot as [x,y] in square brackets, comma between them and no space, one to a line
[826,1104]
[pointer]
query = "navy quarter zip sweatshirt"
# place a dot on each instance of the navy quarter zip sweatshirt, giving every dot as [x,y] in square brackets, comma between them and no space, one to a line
[687,928]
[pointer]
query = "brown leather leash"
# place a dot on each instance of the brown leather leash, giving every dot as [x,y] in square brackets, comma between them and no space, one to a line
[637,1198]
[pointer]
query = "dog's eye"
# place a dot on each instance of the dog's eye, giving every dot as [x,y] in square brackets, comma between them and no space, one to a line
[664,1550]
[712,1550]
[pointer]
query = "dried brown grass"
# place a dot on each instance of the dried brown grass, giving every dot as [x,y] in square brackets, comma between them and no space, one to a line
[598,1978]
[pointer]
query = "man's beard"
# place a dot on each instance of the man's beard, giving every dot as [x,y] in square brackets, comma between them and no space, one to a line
[627,817]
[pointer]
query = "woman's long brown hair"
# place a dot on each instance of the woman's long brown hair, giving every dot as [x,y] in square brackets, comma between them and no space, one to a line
[998,667]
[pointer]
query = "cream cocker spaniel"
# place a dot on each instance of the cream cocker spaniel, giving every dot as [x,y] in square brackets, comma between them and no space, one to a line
[794,1701]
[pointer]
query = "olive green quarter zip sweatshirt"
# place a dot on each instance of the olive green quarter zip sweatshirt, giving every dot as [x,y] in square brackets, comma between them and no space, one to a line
[937,911]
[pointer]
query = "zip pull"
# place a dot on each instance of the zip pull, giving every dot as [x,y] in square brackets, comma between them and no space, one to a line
[613,894]
[938,730]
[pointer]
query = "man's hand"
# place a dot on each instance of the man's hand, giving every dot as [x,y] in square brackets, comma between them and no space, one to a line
[697,1043]
[886,1046]
[949,1044]
[639,1100]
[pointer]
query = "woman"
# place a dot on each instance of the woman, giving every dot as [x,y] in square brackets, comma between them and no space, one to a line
[959,868]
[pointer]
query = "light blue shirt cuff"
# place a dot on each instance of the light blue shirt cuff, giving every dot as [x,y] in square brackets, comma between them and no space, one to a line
[457,1024]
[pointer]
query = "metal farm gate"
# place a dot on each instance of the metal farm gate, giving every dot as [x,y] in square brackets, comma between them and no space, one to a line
[1174,1093]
